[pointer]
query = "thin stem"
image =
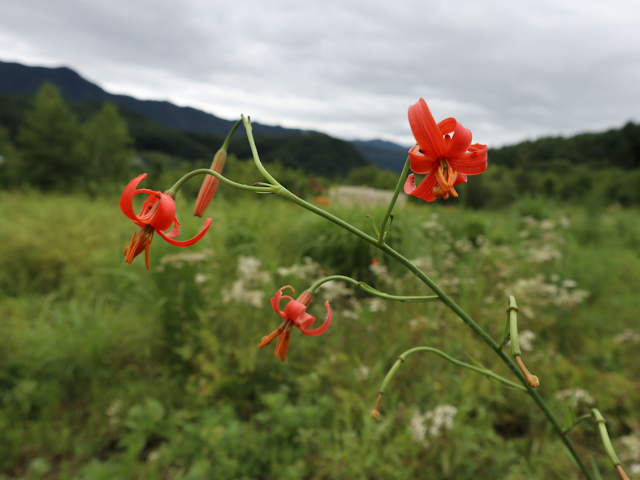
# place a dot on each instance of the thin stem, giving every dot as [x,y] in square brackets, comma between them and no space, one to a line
[254,151]
[405,170]
[581,418]
[202,171]
[371,290]
[468,366]
[225,145]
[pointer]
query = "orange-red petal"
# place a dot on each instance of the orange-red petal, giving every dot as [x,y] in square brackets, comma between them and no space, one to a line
[426,131]
[322,328]
[187,243]
[126,199]
[460,141]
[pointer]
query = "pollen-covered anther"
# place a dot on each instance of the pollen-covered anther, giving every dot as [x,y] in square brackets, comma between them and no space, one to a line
[445,185]
[532,380]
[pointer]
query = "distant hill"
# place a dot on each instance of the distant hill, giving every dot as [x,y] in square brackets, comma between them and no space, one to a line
[385,155]
[16,78]
[618,147]
[315,153]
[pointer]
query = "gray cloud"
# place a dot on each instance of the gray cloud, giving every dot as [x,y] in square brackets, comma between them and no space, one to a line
[507,70]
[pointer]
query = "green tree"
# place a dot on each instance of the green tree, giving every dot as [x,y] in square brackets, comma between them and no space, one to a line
[105,146]
[8,161]
[48,139]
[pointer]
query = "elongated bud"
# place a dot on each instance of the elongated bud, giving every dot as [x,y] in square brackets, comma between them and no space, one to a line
[210,184]
[375,413]
[532,380]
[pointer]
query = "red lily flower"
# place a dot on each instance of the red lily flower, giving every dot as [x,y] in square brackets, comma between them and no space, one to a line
[294,314]
[157,215]
[445,159]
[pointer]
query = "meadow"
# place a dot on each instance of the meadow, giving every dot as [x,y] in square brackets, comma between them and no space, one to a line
[108,370]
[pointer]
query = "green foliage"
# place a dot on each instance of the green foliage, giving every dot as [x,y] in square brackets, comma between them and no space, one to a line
[618,148]
[110,371]
[47,140]
[104,147]
[372,176]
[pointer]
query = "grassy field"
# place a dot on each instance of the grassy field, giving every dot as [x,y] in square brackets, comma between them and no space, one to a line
[111,371]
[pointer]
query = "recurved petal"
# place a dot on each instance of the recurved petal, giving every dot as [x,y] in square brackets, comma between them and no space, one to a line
[424,190]
[421,162]
[426,130]
[275,300]
[322,328]
[127,197]
[473,162]
[305,321]
[187,243]
[175,231]
[461,139]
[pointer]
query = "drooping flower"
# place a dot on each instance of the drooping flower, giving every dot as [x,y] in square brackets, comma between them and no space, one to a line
[210,184]
[446,159]
[157,215]
[294,314]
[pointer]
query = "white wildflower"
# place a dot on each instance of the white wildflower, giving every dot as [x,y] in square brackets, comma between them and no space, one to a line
[543,253]
[524,339]
[569,283]
[627,335]
[424,263]
[248,266]
[309,268]
[201,278]
[417,427]
[178,260]
[576,395]
[113,410]
[240,294]
[547,225]
[361,373]
[631,448]
[334,290]
[381,272]
[153,456]
[377,305]
[564,222]
[433,422]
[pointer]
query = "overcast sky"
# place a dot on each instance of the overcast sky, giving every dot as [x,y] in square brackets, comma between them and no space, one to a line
[507,70]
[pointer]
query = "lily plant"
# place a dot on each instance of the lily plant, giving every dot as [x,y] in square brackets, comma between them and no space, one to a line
[443,152]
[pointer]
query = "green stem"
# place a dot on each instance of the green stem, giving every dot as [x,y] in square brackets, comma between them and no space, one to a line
[468,366]
[225,145]
[387,215]
[254,151]
[202,171]
[606,441]
[371,290]
[443,297]
[577,421]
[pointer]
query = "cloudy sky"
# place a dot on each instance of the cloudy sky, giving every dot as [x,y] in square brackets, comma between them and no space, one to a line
[507,70]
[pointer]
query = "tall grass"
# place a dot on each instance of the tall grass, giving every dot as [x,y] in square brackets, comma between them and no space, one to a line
[110,371]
